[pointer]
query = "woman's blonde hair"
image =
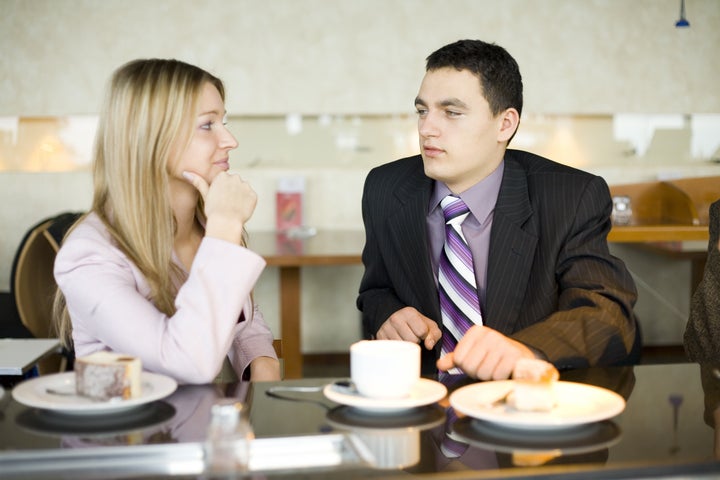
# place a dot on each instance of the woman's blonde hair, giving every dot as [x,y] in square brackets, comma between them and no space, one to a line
[147,116]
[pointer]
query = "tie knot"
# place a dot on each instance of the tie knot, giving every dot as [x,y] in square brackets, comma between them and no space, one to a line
[453,207]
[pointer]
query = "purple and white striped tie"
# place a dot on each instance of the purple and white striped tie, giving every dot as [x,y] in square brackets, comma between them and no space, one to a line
[459,302]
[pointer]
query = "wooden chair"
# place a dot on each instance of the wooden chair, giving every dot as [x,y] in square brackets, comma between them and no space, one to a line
[33,283]
[277,345]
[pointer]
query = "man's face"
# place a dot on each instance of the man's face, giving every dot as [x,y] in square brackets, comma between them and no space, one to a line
[460,140]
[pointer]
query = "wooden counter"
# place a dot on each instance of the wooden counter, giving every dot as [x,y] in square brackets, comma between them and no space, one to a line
[667,211]
[666,215]
[673,204]
[658,233]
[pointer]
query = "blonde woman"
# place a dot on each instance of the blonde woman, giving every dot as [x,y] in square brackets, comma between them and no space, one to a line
[158,268]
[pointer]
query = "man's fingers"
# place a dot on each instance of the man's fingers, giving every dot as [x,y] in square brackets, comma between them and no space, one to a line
[433,336]
[388,334]
[425,330]
[446,362]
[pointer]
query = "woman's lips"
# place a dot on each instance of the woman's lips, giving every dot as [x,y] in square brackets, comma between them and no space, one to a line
[223,164]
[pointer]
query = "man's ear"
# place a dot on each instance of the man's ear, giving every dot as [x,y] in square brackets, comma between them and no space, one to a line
[510,119]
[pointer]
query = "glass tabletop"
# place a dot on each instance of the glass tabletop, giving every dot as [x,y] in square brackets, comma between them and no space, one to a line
[665,430]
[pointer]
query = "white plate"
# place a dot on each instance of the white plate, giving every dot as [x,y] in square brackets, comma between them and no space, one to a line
[424,392]
[577,404]
[33,393]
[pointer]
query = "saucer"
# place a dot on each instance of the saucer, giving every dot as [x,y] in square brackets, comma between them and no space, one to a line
[424,392]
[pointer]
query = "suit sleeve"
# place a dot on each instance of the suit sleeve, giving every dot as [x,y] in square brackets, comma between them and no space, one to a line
[593,323]
[377,299]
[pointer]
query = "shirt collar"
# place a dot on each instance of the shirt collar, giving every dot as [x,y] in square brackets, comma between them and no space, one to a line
[480,198]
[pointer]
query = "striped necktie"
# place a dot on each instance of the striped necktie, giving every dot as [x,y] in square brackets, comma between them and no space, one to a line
[459,302]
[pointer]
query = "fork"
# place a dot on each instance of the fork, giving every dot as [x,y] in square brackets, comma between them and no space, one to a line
[502,399]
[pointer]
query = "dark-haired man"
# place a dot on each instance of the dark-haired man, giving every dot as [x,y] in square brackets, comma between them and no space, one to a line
[534,236]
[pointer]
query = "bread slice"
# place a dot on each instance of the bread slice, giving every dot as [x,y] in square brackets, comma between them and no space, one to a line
[105,375]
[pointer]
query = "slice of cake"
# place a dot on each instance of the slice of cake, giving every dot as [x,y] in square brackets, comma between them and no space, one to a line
[534,385]
[105,375]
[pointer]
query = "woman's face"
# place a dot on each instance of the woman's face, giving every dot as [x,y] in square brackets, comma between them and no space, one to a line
[208,152]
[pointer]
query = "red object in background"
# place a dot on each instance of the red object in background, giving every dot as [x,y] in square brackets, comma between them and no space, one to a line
[289,210]
[289,203]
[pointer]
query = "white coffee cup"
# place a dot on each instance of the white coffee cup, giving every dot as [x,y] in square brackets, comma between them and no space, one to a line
[384,369]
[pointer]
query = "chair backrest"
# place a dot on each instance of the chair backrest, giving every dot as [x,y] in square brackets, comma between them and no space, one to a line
[277,345]
[32,281]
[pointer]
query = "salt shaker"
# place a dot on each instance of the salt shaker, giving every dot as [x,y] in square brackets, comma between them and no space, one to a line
[227,447]
[622,210]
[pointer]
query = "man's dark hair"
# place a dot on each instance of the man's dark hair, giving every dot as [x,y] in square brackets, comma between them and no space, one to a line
[497,70]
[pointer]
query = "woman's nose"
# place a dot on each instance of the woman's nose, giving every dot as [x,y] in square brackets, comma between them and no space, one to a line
[228,140]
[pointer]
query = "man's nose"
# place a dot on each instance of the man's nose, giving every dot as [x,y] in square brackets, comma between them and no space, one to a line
[428,126]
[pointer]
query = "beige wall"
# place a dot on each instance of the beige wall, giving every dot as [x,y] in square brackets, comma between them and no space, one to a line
[362,58]
[350,56]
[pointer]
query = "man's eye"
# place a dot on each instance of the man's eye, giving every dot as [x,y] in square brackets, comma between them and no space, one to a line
[421,111]
[450,113]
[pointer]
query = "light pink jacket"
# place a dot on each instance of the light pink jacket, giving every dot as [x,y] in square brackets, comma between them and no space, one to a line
[108,302]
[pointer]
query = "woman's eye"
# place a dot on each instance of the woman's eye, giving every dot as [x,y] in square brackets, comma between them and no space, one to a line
[206,126]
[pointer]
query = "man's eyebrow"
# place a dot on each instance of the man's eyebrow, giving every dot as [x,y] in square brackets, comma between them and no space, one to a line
[450,102]
[453,102]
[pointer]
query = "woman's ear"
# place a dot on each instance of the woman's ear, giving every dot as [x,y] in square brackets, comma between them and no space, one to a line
[509,121]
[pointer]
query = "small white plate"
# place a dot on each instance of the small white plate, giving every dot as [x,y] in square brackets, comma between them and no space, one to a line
[577,404]
[34,393]
[424,392]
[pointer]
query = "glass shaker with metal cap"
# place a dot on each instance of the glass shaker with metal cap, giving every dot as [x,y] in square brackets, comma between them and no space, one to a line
[227,447]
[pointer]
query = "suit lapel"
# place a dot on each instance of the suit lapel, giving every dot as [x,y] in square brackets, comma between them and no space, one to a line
[512,247]
[408,233]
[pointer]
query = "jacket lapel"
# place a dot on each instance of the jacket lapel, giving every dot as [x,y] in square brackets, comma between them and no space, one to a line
[408,233]
[512,247]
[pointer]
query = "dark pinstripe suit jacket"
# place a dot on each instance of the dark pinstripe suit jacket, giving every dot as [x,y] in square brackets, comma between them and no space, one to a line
[552,283]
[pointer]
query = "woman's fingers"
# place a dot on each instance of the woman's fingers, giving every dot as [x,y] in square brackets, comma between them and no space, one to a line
[198,182]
